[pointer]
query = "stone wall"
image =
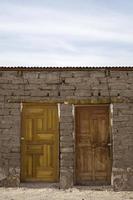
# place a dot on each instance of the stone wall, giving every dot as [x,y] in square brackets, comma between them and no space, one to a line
[123,146]
[67,88]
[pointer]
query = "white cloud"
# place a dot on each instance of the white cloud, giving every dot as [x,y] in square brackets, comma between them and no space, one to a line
[53,59]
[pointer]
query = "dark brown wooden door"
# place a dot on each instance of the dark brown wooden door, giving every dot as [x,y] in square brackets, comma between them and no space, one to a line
[93,159]
[39,143]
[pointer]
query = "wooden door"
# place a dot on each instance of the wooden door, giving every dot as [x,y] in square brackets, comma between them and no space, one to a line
[93,160]
[39,143]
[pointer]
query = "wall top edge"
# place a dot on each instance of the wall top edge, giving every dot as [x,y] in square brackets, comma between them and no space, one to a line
[65,68]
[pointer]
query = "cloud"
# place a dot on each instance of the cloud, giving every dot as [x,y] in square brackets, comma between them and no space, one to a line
[53,59]
[32,34]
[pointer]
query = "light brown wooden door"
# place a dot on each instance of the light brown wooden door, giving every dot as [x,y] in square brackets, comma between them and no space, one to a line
[93,159]
[39,143]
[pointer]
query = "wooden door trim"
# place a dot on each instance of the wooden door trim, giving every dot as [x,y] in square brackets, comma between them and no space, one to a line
[27,104]
[110,133]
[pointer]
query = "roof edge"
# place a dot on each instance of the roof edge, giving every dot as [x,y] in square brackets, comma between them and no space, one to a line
[64,68]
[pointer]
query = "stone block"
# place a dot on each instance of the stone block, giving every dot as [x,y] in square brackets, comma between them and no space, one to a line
[64,93]
[67,149]
[66,132]
[52,78]
[65,108]
[66,180]
[68,119]
[66,126]
[73,80]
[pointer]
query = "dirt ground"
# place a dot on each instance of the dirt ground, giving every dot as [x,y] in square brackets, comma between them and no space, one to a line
[77,193]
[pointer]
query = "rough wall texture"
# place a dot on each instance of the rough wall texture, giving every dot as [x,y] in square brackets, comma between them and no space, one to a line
[99,86]
[123,146]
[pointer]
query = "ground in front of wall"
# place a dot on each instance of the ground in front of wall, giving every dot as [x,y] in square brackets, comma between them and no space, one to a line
[76,193]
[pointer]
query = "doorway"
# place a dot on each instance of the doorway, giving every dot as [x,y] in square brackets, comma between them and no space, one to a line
[92,145]
[40,142]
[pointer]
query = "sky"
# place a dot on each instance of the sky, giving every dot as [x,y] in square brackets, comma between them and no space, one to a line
[66,33]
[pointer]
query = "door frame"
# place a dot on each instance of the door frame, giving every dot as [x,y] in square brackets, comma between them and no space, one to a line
[110,107]
[21,135]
